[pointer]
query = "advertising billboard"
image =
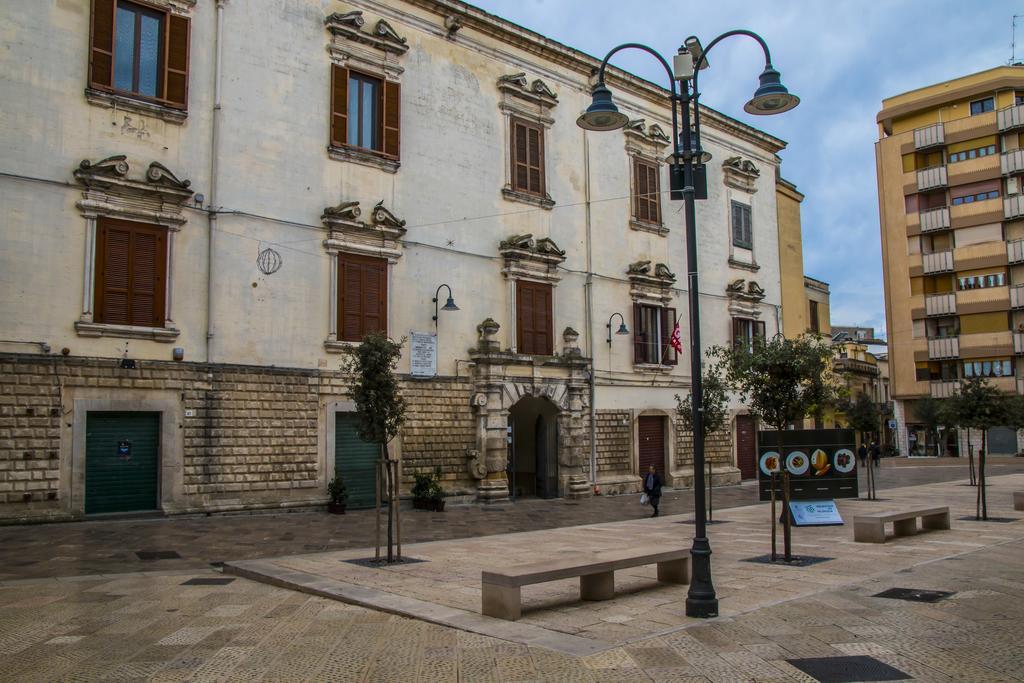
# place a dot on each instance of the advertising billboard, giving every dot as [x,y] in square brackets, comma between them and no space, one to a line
[822,463]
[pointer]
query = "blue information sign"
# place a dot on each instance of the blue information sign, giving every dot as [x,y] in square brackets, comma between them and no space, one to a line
[815,513]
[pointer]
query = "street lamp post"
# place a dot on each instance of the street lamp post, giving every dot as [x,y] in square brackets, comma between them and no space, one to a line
[686,170]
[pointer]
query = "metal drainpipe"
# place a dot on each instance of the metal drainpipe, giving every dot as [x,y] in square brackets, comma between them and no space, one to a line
[589,289]
[212,209]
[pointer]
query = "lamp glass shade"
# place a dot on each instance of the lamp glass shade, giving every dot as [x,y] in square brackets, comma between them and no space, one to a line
[771,97]
[622,329]
[450,305]
[602,114]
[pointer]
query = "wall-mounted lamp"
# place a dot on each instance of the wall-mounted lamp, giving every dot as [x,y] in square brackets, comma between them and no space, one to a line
[622,326]
[448,306]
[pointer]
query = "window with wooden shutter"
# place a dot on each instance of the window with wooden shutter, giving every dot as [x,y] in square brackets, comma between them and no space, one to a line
[527,157]
[362,299]
[646,191]
[139,50]
[668,323]
[392,119]
[339,105]
[534,321]
[742,232]
[131,265]
[652,334]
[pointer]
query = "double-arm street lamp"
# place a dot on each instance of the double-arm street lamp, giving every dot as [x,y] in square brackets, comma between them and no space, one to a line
[688,179]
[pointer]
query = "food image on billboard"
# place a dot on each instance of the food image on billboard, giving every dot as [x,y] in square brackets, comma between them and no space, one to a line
[770,463]
[844,460]
[797,463]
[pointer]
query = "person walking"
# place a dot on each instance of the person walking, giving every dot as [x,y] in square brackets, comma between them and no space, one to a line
[876,454]
[862,453]
[652,487]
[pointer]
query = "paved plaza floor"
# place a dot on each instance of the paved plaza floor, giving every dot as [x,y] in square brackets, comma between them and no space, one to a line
[198,624]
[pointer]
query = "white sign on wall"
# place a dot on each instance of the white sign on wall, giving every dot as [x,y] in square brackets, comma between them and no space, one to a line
[423,358]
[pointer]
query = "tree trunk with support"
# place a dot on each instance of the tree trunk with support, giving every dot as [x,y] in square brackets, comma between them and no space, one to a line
[981,506]
[970,459]
[390,492]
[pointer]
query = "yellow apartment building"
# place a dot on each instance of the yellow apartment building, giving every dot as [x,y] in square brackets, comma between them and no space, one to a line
[949,161]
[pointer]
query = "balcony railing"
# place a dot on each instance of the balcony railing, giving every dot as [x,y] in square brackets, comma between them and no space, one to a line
[935,219]
[944,388]
[940,304]
[930,178]
[1015,251]
[1012,161]
[943,347]
[1010,117]
[1013,206]
[1018,343]
[929,136]
[939,262]
[1017,296]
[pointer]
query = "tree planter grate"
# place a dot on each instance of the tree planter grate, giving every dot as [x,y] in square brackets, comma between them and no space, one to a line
[847,669]
[206,582]
[1002,520]
[913,594]
[797,561]
[157,555]
[382,563]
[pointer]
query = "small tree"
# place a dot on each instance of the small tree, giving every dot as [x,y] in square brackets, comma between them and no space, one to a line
[782,380]
[863,415]
[379,406]
[715,405]
[979,405]
[932,413]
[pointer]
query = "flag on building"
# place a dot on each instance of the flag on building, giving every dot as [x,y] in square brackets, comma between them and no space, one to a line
[676,341]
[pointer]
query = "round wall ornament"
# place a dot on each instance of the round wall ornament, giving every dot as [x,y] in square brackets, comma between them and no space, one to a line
[268,261]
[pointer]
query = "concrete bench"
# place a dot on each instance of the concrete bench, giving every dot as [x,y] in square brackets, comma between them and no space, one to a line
[1018,500]
[870,528]
[501,590]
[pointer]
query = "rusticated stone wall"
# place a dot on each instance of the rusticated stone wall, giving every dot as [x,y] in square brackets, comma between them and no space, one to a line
[614,443]
[439,428]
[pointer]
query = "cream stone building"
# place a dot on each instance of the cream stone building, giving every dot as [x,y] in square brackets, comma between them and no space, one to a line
[205,203]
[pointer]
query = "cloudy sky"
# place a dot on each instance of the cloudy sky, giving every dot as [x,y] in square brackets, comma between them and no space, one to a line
[841,57]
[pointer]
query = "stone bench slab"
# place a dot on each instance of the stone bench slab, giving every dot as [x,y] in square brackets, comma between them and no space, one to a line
[870,527]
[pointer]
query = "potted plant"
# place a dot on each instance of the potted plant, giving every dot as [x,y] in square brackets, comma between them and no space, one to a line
[338,496]
[427,493]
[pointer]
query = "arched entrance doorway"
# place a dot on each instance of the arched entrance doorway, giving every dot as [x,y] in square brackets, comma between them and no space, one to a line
[533,451]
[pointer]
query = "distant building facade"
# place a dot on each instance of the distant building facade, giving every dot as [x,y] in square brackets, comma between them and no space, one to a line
[202,221]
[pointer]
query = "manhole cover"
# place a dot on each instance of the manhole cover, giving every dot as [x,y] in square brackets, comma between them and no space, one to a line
[382,563]
[913,594]
[847,669]
[972,518]
[157,555]
[207,582]
[797,561]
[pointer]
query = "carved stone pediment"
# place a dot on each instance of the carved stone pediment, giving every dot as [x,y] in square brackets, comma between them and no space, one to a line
[536,91]
[380,237]
[744,297]
[531,259]
[649,140]
[349,26]
[650,287]
[741,174]
[110,191]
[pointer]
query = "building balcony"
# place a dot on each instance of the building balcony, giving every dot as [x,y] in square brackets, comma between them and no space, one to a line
[983,300]
[1010,118]
[935,219]
[940,348]
[1017,296]
[1015,251]
[1018,343]
[938,262]
[929,136]
[1006,384]
[944,388]
[986,344]
[1013,206]
[1012,162]
[931,178]
[940,304]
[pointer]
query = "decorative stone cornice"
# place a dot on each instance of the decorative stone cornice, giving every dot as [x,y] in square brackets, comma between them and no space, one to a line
[536,91]
[349,26]
[744,297]
[741,174]
[109,191]
[647,287]
[380,237]
[531,259]
[643,138]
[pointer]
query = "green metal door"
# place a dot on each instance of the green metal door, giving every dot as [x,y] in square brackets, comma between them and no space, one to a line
[355,461]
[121,462]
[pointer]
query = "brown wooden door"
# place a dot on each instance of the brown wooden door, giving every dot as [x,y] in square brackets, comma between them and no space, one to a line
[651,435]
[746,447]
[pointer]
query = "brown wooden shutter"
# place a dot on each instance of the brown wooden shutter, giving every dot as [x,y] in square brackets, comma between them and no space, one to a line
[375,285]
[113,268]
[350,312]
[638,335]
[520,157]
[101,48]
[392,118]
[543,332]
[536,139]
[131,274]
[524,317]
[362,301]
[668,323]
[654,193]
[339,105]
[640,199]
[147,278]
[176,58]
[737,331]
[534,320]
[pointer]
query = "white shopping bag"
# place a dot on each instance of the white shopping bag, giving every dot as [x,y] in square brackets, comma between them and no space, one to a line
[643,499]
